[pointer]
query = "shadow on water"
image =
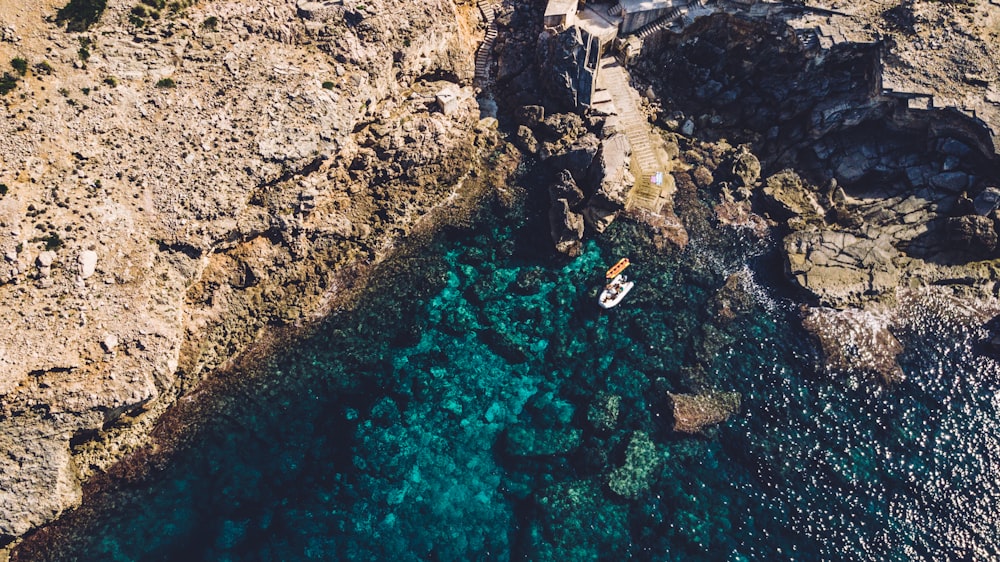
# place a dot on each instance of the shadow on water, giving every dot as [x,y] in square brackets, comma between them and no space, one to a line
[477,405]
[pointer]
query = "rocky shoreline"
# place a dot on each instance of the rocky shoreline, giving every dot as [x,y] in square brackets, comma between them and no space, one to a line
[196,187]
[233,168]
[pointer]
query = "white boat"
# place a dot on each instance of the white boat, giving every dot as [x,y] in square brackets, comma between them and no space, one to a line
[615,291]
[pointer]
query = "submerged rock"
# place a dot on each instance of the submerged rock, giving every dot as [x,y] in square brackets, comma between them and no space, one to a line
[692,413]
[533,442]
[856,341]
[641,461]
[576,521]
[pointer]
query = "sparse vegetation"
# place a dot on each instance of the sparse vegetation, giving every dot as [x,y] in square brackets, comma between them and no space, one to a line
[44,68]
[85,44]
[328,85]
[52,241]
[7,83]
[111,81]
[3,189]
[20,65]
[166,83]
[78,15]
[211,23]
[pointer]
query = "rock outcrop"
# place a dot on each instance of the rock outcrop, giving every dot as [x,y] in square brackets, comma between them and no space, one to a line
[693,413]
[609,182]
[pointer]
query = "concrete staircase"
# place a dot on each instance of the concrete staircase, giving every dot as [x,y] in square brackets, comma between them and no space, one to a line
[645,160]
[484,55]
[616,10]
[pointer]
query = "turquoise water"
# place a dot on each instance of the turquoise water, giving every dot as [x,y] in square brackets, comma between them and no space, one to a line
[448,418]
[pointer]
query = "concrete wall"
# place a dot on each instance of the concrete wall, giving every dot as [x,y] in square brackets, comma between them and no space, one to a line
[633,22]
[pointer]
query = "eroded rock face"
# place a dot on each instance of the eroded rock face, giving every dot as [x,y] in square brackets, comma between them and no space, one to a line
[184,212]
[566,228]
[609,182]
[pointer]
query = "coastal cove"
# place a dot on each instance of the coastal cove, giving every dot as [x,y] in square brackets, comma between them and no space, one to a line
[477,404]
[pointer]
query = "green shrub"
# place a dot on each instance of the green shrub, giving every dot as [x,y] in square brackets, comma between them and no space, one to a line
[155,4]
[43,68]
[211,23]
[20,65]
[165,83]
[7,83]
[78,15]
[111,81]
[328,85]
[52,241]
[3,189]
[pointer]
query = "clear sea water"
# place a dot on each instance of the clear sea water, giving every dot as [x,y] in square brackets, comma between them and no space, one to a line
[399,430]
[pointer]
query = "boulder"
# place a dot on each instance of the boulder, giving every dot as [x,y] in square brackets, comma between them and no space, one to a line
[88,263]
[609,182]
[692,413]
[974,234]
[787,197]
[954,182]
[566,188]
[746,166]
[838,268]
[578,157]
[530,115]
[526,140]
[987,201]
[566,228]
[855,341]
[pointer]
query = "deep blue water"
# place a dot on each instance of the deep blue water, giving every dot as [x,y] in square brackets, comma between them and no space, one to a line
[402,430]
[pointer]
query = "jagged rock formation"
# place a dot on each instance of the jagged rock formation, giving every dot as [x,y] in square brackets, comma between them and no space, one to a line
[169,189]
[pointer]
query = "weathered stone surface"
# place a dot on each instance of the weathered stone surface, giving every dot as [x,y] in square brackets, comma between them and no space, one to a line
[88,263]
[165,196]
[692,413]
[972,233]
[838,268]
[987,201]
[855,341]
[578,157]
[566,228]
[746,166]
[609,182]
[566,188]
[788,197]
[526,140]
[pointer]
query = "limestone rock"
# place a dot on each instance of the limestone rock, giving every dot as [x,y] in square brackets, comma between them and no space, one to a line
[746,166]
[987,201]
[566,228]
[838,268]
[88,263]
[578,156]
[609,181]
[692,413]
[526,140]
[855,340]
[566,188]
[787,197]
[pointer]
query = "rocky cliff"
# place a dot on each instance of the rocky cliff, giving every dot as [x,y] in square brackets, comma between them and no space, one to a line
[177,178]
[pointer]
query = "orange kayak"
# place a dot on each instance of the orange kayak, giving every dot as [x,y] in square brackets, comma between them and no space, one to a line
[618,268]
